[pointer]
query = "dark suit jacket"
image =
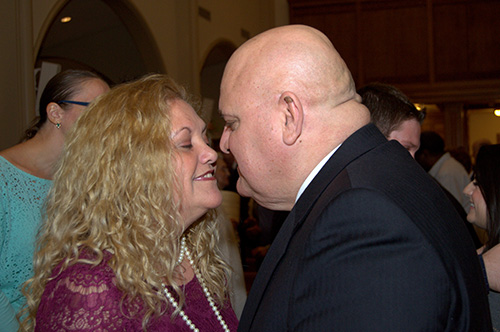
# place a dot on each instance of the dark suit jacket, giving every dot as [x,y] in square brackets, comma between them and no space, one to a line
[371,245]
[463,215]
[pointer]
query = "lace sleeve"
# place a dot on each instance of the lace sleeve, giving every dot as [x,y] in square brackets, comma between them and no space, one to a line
[83,298]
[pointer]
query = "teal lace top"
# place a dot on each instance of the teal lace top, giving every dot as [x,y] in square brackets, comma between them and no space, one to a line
[22,197]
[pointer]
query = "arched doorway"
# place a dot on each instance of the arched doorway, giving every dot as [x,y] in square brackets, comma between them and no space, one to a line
[210,79]
[105,36]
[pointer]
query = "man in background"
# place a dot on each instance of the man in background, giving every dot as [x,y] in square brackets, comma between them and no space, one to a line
[442,166]
[393,114]
[398,119]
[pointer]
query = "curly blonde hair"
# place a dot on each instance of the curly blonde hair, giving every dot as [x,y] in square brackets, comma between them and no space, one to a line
[114,190]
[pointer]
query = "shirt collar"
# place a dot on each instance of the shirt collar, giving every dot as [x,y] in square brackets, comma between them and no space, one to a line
[315,172]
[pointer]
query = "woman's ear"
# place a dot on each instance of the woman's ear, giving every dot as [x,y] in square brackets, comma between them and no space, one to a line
[55,114]
[293,115]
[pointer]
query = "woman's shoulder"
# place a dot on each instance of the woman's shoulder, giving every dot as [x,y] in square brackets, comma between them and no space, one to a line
[10,172]
[8,159]
[82,295]
[82,280]
[22,196]
[7,169]
[86,275]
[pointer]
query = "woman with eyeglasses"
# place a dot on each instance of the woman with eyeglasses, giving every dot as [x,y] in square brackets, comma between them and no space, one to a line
[484,195]
[26,172]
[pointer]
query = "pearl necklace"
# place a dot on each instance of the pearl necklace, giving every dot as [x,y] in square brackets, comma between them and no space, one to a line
[185,252]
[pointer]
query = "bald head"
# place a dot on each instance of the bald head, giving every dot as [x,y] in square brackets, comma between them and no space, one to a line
[288,99]
[297,58]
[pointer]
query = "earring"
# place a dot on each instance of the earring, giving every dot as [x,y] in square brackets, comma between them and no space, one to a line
[58,125]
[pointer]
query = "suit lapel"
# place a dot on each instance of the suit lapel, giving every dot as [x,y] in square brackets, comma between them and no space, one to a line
[266,269]
[356,145]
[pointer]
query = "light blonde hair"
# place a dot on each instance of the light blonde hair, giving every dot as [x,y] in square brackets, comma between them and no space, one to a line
[114,190]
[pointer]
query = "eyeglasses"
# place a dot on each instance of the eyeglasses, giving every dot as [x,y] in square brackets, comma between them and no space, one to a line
[81,103]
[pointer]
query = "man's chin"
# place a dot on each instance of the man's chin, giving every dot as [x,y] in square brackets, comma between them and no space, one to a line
[243,189]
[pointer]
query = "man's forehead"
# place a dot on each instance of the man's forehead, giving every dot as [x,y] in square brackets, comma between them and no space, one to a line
[227,106]
[232,100]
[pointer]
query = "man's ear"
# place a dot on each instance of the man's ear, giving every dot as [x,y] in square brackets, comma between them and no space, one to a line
[294,117]
[54,113]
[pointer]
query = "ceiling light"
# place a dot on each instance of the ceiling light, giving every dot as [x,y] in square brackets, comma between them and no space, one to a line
[66,19]
[497,112]
[420,107]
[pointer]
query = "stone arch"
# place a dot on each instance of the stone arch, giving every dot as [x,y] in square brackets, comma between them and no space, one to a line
[210,79]
[107,36]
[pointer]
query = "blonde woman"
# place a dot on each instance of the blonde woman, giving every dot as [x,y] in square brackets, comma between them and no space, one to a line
[129,239]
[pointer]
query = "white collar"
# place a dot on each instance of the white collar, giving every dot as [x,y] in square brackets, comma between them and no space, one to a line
[315,172]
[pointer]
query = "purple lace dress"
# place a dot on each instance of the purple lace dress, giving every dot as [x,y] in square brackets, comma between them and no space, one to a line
[85,298]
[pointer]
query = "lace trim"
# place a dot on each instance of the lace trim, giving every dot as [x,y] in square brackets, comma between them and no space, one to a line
[85,298]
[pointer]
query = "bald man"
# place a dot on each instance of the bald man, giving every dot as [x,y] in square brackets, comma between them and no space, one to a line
[371,243]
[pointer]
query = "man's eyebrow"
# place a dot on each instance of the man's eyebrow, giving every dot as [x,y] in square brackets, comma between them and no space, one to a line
[225,115]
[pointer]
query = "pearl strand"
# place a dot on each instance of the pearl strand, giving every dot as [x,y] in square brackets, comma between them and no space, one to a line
[171,299]
[183,251]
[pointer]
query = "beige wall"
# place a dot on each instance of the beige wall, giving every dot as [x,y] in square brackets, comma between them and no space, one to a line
[16,58]
[227,27]
[483,124]
[183,39]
